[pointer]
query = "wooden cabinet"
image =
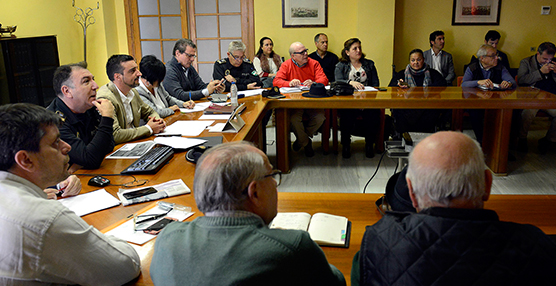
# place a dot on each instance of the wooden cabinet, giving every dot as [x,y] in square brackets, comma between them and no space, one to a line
[27,66]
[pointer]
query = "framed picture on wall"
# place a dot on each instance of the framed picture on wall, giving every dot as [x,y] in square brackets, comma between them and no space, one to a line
[304,13]
[476,12]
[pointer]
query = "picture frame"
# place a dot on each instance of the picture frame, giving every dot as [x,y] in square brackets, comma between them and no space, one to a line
[304,13]
[476,12]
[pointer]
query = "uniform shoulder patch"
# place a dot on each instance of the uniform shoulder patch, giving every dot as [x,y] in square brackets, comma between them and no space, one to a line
[221,61]
[62,115]
[254,73]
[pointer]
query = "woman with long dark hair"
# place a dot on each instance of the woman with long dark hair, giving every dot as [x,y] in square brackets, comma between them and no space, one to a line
[266,61]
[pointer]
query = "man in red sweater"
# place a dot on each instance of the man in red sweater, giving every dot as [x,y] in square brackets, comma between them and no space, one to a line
[300,70]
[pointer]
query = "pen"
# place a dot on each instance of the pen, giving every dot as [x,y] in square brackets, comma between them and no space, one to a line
[167,135]
[60,190]
[153,217]
[190,96]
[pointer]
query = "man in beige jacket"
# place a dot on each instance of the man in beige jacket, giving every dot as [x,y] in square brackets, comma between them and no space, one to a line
[129,109]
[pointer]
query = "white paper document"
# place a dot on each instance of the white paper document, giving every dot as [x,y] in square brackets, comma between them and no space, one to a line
[215,117]
[293,89]
[127,232]
[198,107]
[132,150]
[90,202]
[178,142]
[164,190]
[218,127]
[188,127]
[369,88]
[251,92]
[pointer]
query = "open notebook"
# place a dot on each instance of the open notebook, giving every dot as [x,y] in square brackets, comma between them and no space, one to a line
[324,229]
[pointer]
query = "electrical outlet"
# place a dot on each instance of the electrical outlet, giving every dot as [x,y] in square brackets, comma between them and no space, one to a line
[545,10]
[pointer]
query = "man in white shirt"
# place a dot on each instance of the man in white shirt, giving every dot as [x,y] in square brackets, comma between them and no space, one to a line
[42,242]
[438,59]
[129,109]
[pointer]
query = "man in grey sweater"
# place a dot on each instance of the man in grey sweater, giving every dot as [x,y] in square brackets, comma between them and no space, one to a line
[235,187]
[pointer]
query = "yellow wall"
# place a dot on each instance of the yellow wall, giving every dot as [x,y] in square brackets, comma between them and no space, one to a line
[55,17]
[388,29]
[521,27]
[369,20]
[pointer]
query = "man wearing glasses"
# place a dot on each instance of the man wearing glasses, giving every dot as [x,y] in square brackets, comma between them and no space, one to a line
[302,71]
[181,80]
[237,68]
[486,73]
[235,187]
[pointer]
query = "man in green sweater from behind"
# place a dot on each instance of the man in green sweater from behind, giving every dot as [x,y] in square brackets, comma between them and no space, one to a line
[235,187]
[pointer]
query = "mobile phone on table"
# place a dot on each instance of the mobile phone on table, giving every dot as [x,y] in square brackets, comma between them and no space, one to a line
[159,225]
[381,88]
[139,193]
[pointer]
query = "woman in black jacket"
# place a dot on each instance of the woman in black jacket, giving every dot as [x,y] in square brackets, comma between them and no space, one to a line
[359,72]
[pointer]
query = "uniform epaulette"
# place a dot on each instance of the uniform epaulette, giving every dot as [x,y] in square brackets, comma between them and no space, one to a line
[246,60]
[62,115]
[221,61]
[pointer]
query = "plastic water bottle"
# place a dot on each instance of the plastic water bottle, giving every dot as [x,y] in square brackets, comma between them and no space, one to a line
[233,94]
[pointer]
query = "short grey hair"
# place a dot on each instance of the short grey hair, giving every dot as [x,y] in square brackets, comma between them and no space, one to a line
[236,46]
[223,173]
[483,50]
[464,178]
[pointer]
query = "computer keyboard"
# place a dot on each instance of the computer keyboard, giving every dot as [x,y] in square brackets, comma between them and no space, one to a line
[151,161]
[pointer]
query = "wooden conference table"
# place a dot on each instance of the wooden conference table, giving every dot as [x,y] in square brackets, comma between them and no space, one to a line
[358,208]
[498,115]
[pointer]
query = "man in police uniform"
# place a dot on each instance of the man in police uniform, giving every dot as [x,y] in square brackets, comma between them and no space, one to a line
[87,120]
[237,68]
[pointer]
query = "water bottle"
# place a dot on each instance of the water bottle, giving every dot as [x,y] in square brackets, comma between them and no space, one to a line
[233,94]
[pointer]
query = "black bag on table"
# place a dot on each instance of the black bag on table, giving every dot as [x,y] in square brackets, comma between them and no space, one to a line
[341,88]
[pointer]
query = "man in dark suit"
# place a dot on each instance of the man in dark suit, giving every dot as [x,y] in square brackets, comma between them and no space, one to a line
[539,71]
[438,59]
[181,80]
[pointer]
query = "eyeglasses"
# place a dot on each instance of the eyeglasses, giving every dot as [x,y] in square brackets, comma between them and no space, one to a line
[275,174]
[301,53]
[190,56]
[238,58]
[493,56]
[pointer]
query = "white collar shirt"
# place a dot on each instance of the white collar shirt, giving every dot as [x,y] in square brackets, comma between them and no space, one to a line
[126,100]
[436,61]
[156,98]
[43,243]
